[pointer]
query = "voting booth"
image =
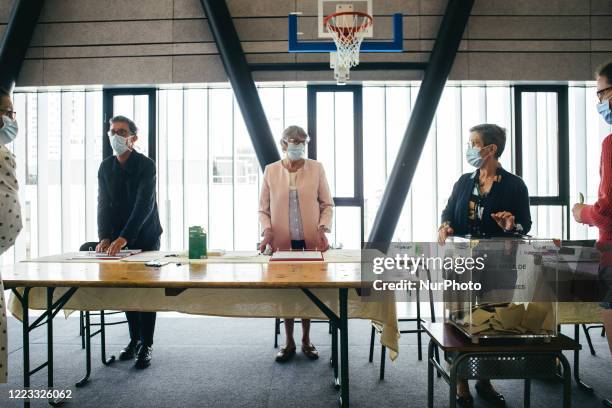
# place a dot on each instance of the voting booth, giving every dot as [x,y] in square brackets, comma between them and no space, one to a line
[500,290]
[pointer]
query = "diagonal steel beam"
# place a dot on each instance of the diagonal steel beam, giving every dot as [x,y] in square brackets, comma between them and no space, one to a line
[16,40]
[438,68]
[239,74]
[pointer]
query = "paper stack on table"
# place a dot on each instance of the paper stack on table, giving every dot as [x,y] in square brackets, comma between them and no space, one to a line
[297,256]
[103,255]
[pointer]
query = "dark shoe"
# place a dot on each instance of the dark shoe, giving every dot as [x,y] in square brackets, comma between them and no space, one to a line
[285,354]
[488,393]
[129,351]
[465,402]
[310,351]
[143,359]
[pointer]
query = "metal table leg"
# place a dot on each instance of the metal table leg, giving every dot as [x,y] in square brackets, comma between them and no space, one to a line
[372,338]
[567,381]
[344,362]
[581,384]
[25,326]
[527,393]
[45,319]
[83,381]
[419,325]
[430,376]
[102,331]
[334,356]
[336,323]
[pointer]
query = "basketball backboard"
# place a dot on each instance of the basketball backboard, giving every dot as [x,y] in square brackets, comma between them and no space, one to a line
[328,7]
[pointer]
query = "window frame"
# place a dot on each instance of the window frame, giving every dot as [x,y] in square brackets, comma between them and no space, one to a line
[562,197]
[357,199]
[107,113]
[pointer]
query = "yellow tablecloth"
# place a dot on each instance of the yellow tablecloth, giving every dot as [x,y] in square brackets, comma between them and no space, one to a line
[270,303]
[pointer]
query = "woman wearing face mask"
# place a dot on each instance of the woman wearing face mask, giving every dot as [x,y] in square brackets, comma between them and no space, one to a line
[488,202]
[10,210]
[599,214]
[295,211]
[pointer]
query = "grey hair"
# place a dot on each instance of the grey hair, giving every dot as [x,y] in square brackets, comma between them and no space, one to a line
[492,134]
[294,132]
[131,125]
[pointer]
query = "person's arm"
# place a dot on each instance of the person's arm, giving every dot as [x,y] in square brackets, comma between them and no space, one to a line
[143,206]
[104,208]
[522,212]
[265,218]
[448,216]
[326,202]
[600,214]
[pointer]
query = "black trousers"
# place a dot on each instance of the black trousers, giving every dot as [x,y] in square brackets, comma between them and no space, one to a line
[142,324]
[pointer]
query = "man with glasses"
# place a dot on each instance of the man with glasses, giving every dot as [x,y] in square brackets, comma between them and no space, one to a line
[600,214]
[128,218]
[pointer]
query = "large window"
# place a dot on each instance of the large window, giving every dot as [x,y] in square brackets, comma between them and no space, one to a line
[208,174]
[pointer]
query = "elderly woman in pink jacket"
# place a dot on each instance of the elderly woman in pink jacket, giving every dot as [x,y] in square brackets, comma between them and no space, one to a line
[295,211]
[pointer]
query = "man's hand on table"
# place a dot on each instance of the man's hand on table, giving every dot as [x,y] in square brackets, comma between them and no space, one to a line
[116,246]
[103,245]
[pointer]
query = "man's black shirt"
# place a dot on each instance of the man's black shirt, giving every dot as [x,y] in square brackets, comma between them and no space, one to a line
[127,203]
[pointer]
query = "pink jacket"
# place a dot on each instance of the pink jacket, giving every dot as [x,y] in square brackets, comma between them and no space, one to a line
[316,203]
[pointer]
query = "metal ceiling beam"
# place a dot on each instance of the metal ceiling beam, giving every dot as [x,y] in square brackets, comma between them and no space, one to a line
[439,66]
[16,39]
[239,74]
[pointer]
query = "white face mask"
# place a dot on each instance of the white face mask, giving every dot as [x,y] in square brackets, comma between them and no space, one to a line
[119,144]
[296,151]
[8,132]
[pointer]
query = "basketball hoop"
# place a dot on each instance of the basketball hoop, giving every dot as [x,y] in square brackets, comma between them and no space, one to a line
[347,29]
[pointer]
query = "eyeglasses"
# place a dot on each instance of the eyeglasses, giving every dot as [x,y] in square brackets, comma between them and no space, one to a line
[120,132]
[601,93]
[10,113]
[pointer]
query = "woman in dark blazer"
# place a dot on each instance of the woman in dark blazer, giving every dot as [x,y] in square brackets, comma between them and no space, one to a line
[489,202]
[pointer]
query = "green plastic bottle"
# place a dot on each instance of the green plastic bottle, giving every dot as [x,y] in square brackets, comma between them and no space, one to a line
[197,243]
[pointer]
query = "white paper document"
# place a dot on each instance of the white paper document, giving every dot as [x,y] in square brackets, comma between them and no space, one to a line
[103,255]
[297,256]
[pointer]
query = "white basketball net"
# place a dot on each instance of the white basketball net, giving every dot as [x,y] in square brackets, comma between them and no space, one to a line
[347,31]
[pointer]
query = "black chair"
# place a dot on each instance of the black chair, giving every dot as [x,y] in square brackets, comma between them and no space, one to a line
[418,331]
[85,328]
[588,336]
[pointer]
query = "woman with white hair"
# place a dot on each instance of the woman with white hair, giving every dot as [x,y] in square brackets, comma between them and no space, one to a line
[295,211]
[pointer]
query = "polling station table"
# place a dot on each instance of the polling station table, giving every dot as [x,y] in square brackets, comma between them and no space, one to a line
[232,287]
[495,361]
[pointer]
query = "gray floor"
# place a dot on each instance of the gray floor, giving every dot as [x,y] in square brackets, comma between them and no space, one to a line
[214,362]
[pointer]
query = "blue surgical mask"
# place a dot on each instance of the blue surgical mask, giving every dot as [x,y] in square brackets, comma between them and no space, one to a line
[604,110]
[119,144]
[8,132]
[472,155]
[295,151]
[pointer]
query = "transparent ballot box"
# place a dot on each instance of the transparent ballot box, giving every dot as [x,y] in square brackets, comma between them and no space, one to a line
[501,287]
